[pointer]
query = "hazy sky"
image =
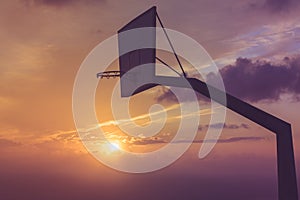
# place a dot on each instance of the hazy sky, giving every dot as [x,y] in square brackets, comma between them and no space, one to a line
[255,43]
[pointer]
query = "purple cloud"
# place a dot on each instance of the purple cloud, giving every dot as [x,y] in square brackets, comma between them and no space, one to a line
[280,5]
[262,80]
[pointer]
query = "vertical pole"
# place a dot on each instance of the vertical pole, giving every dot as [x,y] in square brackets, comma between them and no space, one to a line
[286,170]
[287,181]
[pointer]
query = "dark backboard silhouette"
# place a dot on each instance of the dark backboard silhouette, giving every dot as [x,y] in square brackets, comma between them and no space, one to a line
[138,57]
[287,182]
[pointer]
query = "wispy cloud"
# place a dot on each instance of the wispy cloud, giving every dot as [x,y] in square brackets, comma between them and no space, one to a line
[229,140]
[59,3]
[226,140]
[129,121]
[267,41]
[4,143]
[226,126]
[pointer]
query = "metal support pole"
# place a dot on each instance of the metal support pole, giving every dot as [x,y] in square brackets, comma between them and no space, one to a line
[287,179]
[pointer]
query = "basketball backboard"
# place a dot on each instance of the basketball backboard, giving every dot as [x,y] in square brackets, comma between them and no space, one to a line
[137,57]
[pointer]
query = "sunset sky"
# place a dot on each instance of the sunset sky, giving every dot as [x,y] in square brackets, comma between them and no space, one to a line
[254,43]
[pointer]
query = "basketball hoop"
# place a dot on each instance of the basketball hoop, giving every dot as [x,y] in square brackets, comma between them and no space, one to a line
[108,74]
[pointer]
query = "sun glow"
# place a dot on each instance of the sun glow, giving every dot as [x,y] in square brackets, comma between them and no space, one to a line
[109,148]
[116,145]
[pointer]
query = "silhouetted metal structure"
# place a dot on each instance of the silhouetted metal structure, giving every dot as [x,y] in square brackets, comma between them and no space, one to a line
[287,182]
[108,74]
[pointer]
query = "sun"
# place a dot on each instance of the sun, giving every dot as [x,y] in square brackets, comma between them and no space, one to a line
[116,145]
[110,147]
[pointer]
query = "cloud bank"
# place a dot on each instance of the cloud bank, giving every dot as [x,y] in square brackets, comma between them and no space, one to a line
[255,80]
[262,80]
